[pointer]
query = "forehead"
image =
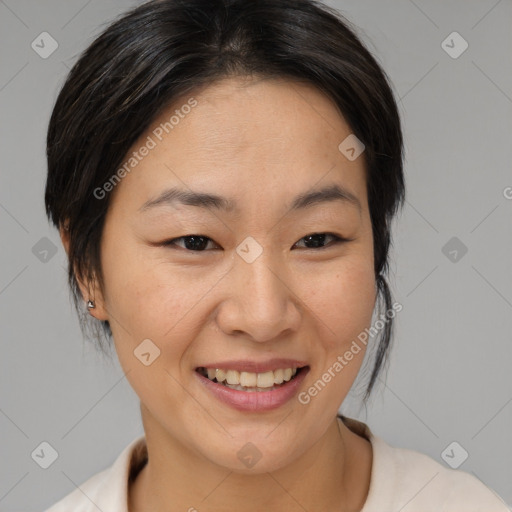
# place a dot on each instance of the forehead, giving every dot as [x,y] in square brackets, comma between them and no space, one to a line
[245,137]
[276,117]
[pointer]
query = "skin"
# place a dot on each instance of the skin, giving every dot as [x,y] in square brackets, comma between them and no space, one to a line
[260,143]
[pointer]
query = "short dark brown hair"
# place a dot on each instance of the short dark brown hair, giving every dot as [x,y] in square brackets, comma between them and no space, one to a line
[164,49]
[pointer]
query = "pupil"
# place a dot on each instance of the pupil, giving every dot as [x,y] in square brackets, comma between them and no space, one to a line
[198,243]
[316,238]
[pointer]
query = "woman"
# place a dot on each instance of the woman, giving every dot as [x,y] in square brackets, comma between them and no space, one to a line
[223,176]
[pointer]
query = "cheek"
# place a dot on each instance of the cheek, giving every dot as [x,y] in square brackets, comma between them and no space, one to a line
[151,298]
[343,301]
[151,302]
[145,297]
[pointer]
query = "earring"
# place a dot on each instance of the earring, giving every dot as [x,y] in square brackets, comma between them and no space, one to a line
[90,304]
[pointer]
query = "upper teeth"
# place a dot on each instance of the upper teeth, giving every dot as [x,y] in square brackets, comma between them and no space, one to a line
[249,379]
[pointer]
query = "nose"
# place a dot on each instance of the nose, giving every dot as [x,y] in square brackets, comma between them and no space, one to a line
[260,300]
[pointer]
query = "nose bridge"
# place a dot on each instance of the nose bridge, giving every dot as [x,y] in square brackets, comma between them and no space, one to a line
[259,293]
[263,288]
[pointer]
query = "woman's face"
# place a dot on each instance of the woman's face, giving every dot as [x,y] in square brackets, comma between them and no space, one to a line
[256,293]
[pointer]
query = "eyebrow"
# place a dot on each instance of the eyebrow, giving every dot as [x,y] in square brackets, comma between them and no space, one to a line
[176,195]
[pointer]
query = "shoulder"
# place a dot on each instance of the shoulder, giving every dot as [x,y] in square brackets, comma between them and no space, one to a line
[83,498]
[422,483]
[411,481]
[108,489]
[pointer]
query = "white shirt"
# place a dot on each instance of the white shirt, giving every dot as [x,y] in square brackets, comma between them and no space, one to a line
[401,480]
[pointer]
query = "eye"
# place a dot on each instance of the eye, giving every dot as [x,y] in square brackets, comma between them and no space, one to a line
[317,240]
[195,243]
[199,243]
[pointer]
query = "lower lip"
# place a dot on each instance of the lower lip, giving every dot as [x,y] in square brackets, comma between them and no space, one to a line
[257,400]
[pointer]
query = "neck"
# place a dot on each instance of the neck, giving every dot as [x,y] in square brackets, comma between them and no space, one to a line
[176,475]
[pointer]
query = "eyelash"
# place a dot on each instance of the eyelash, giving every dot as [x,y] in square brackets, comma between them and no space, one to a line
[337,240]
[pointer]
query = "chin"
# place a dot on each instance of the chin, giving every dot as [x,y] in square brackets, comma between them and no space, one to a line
[252,457]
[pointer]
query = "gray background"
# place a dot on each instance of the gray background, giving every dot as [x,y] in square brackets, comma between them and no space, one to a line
[449,378]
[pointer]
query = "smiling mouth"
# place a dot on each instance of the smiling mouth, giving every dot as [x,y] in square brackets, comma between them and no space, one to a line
[249,381]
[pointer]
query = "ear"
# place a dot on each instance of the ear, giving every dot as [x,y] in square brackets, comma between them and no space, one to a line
[89,290]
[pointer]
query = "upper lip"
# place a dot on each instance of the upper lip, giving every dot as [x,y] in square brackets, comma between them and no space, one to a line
[255,366]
